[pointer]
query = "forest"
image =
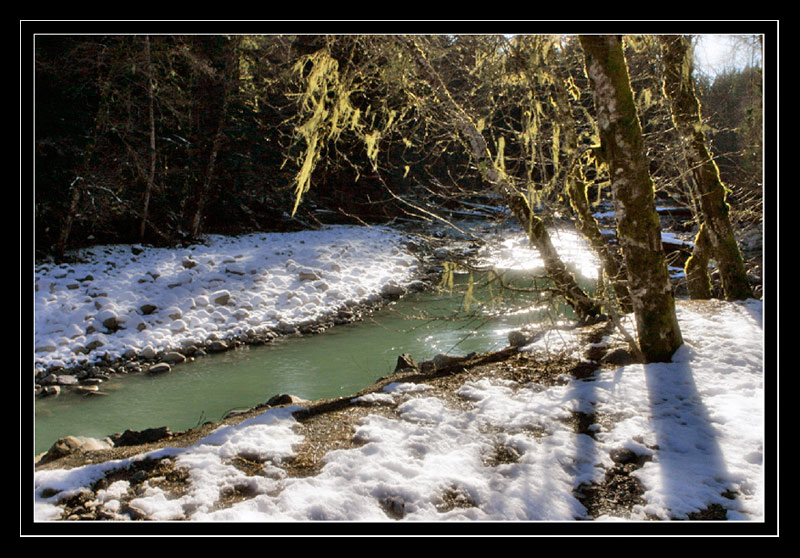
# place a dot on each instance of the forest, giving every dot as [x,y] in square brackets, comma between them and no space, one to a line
[207,206]
[161,139]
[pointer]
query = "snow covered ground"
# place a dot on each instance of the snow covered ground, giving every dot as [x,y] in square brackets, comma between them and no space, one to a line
[127,300]
[700,418]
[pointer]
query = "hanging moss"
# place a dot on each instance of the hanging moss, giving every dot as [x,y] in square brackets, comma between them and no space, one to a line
[712,193]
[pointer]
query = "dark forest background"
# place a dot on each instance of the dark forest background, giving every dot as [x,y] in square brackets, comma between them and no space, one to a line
[159,139]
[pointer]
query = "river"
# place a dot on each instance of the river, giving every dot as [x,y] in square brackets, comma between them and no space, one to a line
[341,361]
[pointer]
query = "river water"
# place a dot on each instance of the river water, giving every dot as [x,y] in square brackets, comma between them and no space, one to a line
[338,362]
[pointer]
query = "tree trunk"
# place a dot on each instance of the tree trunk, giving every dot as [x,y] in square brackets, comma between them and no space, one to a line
[696,268]
[679,88]
[76,189]
[583,305]
[576,190]
[151,113]
[211,93]
[638,227]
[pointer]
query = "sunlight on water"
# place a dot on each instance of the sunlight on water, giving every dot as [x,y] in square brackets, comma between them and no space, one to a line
[514,252]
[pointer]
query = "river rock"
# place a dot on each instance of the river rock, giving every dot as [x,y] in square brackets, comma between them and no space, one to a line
[517,339]
[308,274]
[220,297]
[51,390]
[393,291]
[441,253]
[84,390]
[160,368]
[217,347]
[147,309]
[71,444]
[405,362]
[135,438]
[67,380]
[286,399]
[173,358]
[111,323]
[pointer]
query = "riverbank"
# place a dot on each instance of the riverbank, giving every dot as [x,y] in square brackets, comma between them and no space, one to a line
[123,309]
[528,433]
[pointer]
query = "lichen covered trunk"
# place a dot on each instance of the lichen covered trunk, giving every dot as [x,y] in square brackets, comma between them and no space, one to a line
[638,226]
[679,88]
[587,225]
[575,186]
[696,268]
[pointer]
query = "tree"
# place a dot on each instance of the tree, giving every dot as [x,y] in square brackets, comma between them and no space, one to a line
[151,118]
[638,226]
[516,201]
[712,194]
[213,62]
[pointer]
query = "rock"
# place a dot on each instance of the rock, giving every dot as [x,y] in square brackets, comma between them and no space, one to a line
[71,444]
[45,348]
[67,380]
[217,347]
[173,358]
[390,290]
[51,390]
[148,308]
[174,313]
[307,274]
[83,390]
[160,368]
[416,285]
[517,339]
[148,353]
[111,323]
[623,456]
[135,438]
[405,362]
[286,399]
[220,297]
[94,344]
[94,381]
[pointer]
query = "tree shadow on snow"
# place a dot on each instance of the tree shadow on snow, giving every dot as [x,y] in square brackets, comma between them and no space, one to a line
[691,472]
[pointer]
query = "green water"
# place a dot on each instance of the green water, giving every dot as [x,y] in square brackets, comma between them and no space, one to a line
[339,362]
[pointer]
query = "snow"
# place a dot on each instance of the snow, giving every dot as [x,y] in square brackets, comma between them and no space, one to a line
[220,289]
[700,419]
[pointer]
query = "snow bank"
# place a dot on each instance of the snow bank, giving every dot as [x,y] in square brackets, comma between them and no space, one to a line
[700,419]
[122,300]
